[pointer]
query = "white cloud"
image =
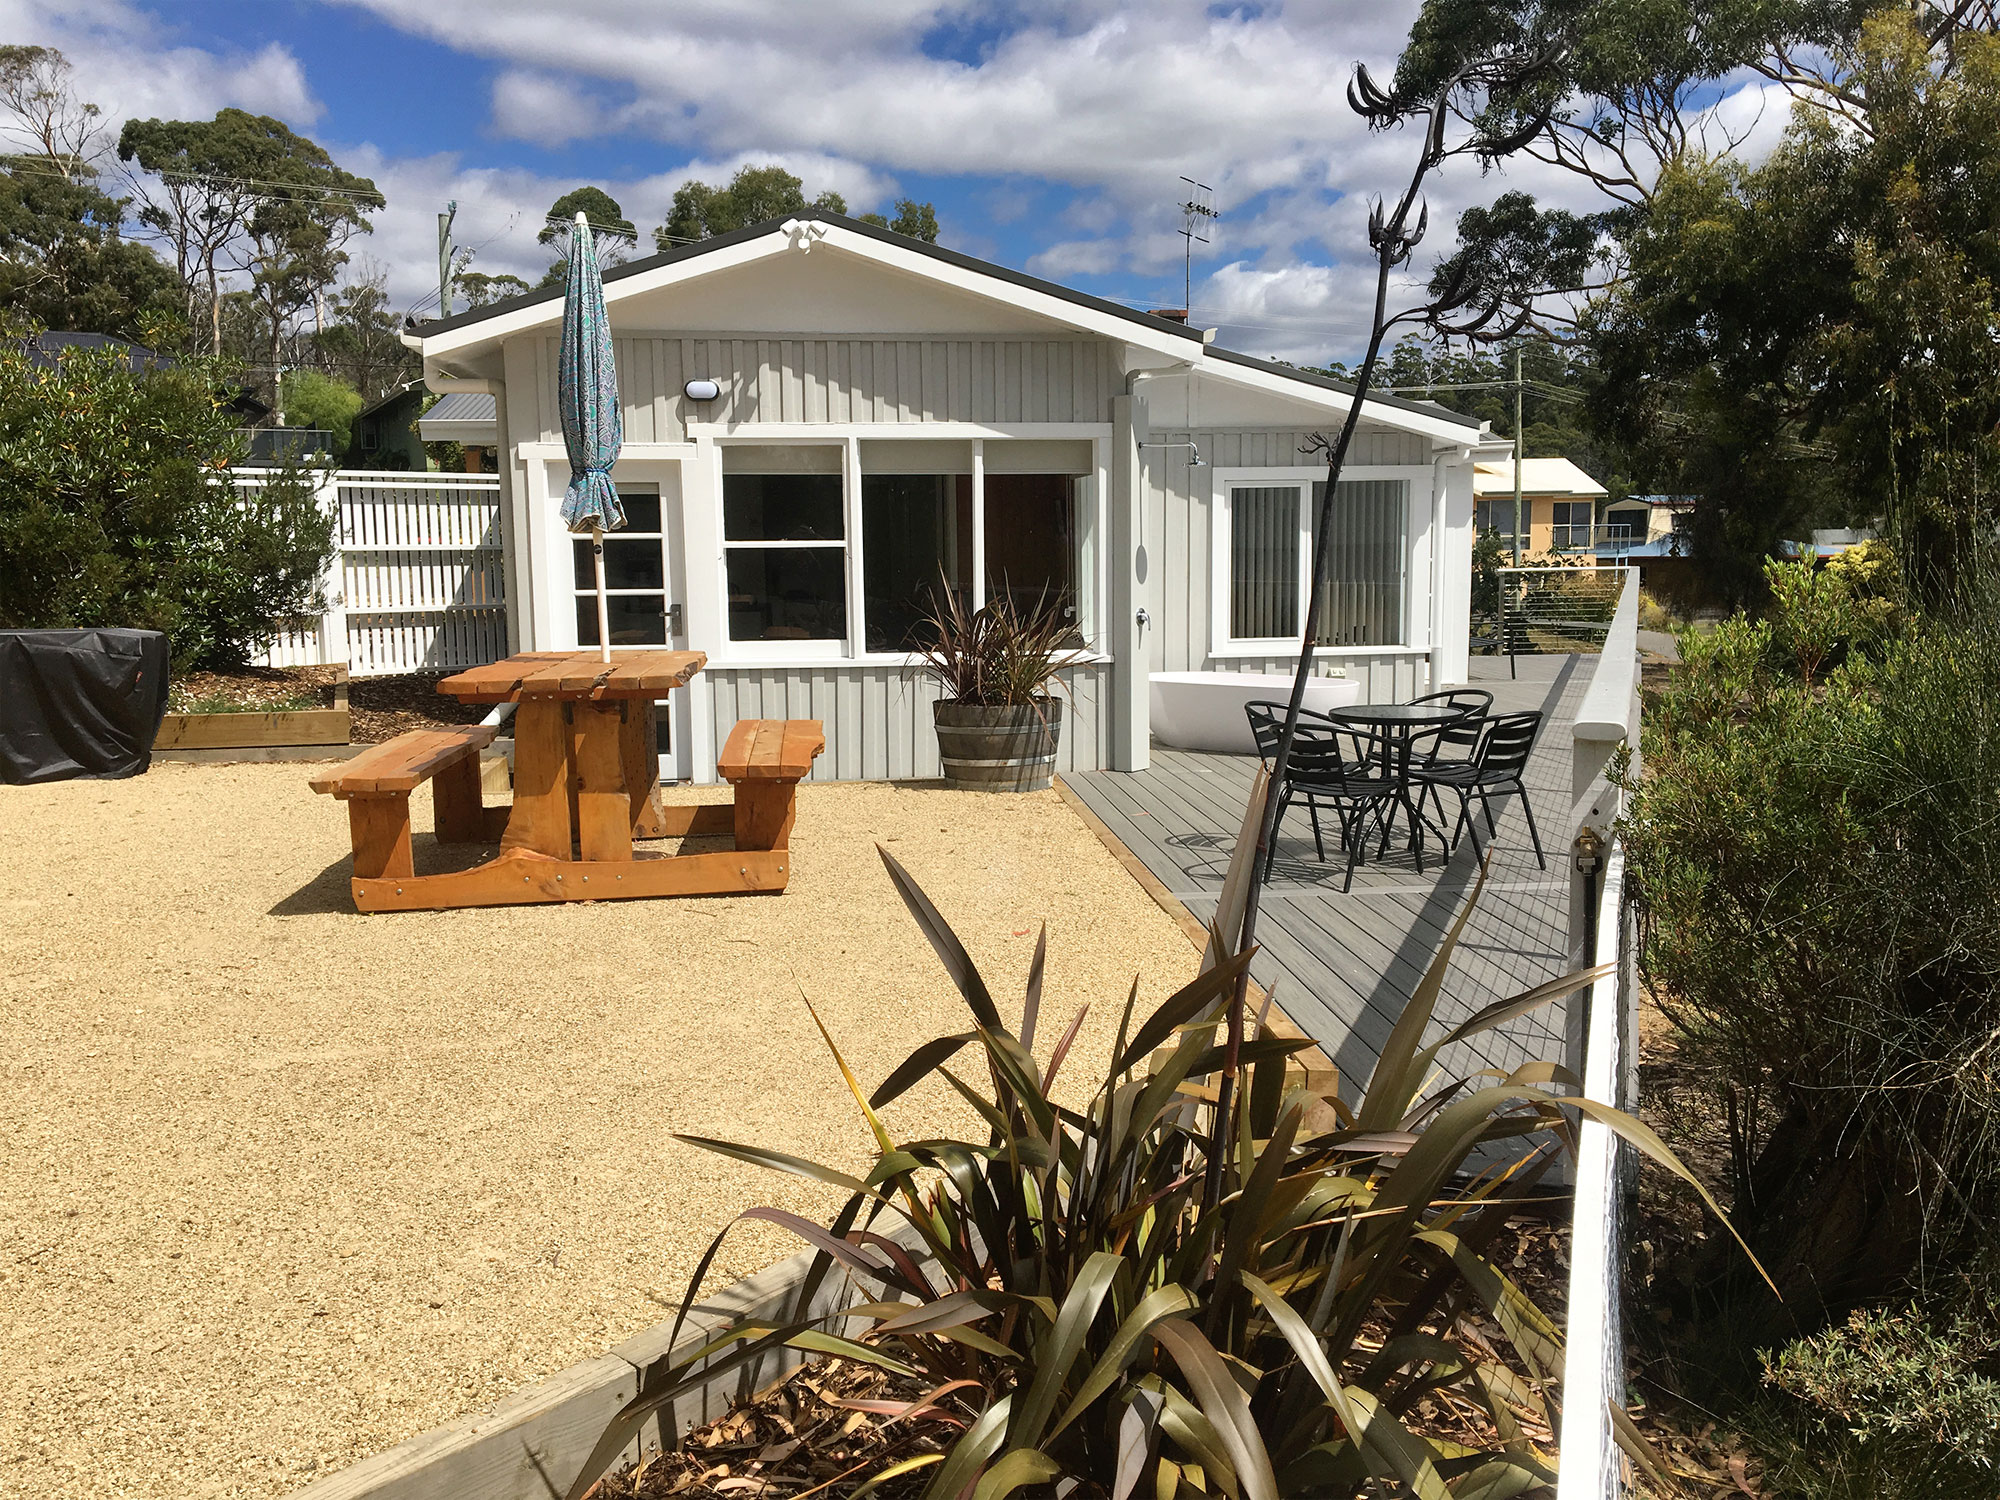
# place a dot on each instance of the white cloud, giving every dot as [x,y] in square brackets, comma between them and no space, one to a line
[128,64]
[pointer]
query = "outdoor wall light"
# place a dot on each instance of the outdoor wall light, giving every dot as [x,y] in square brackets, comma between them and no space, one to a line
[701,390]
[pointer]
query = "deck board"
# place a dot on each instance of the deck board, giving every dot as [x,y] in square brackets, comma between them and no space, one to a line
[1344,965]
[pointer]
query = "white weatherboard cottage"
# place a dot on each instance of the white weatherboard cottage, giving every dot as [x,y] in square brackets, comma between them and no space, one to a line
[822,418]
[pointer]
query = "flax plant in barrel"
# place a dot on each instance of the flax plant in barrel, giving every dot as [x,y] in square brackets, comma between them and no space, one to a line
[1082,1321]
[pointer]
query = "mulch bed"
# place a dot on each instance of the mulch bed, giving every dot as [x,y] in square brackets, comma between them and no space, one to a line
[380,708]
[826,1428]
[832,1425]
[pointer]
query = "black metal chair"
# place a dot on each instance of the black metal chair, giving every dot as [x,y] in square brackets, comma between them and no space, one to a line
[1495,769]
[1329,766]
[1462,736]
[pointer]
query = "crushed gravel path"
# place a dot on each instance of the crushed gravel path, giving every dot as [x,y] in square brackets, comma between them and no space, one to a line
[281,1185]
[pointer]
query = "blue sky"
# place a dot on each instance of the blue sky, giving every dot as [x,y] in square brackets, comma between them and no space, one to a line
[1051,134]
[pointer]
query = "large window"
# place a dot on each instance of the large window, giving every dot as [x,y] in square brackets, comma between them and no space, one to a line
[1269,560]
[916,540]
[1573,520]
[635,577]
[1031,541]
[1498,515]
[784,539]
[812,556]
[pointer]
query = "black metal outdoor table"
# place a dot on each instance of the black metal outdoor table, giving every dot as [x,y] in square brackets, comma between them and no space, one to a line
[1399,724]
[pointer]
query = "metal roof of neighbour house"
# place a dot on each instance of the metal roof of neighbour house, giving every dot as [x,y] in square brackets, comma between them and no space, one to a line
[1539,476]
[1173,328]
[46,348]
[463,406]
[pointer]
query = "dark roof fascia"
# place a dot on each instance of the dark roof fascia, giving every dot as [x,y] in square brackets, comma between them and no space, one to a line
[1328,383]
[869,231]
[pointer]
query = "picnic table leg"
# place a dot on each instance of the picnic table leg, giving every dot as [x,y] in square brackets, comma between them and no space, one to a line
[458,814]
[380,825]
[604,807]
[639,748]
[764,814]
[540,820]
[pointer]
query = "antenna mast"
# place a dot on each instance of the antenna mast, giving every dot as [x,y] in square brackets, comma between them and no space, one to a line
[1196,213]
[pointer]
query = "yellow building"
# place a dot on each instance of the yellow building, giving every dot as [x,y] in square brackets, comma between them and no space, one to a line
[1558,504]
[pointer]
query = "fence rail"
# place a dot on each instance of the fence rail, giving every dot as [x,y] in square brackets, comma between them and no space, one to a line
[416,582]
[1602,1036]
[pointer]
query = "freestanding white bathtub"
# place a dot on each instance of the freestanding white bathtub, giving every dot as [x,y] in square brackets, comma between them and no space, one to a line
[1204,710]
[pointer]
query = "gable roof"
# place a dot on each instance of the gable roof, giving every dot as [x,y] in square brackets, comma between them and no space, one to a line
[1539,476]
[1169,335]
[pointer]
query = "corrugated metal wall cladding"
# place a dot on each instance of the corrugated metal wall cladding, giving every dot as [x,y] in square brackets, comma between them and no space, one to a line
[878,719]
[804,379]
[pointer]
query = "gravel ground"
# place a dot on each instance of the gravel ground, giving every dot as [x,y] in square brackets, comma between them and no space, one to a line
[281,1185]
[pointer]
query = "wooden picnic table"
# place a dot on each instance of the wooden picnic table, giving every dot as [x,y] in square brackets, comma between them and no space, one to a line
[586,786]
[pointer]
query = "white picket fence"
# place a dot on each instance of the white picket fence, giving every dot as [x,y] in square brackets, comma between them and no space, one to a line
[416,581]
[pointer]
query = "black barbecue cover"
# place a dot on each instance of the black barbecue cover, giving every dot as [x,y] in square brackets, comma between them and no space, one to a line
[79,703]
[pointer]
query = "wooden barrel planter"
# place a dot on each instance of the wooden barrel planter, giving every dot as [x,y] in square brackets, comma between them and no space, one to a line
[998,748]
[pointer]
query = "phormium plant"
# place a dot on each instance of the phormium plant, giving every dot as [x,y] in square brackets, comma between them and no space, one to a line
[1081,1316]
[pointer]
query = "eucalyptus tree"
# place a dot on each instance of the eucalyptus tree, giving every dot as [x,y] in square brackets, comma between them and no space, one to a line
[607,223]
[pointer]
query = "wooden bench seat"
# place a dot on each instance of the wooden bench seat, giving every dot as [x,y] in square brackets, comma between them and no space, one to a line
[765,759]
[376,786]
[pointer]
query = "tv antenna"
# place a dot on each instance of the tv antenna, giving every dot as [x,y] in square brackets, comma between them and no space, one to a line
[1196,213]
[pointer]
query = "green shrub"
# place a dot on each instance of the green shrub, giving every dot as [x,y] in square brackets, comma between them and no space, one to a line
[116,508]
[1817,842]
[1917,1386]
[311,398]
[1091,1306]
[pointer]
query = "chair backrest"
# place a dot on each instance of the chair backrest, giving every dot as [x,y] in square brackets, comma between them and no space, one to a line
[1508,740]
[1473,703]
[1316,755]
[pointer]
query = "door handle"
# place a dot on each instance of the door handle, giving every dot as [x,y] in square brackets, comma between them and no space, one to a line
[673,614]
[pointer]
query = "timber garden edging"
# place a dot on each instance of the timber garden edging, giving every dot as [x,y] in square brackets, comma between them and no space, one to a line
[532,1443]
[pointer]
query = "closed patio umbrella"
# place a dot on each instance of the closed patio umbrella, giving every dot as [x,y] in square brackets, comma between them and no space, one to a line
[592,422]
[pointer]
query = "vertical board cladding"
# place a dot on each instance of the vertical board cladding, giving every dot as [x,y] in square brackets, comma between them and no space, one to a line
[878,717]
[1180,496]
[804,379]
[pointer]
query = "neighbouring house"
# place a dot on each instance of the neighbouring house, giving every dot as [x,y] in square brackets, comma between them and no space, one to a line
[385,431]
[1558,504]
[470,419]
[824,419]
[1829,542]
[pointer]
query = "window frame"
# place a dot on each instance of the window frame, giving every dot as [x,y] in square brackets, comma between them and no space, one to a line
[1417,481]
[1091,559]
[1568,527]
[816,647]
[586,586]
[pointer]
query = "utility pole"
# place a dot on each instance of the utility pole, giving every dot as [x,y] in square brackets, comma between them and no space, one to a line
[1519,448]
[444,257]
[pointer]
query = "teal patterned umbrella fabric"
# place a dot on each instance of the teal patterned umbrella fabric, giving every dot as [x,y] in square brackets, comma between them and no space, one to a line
[587,394]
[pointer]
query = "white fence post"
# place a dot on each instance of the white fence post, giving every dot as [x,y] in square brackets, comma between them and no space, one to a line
[333,623]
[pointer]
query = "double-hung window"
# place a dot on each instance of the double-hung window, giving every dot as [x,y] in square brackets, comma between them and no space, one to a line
[784,544]
[1267,552]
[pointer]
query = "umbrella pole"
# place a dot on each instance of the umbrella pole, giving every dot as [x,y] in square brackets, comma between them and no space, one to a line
[603,613]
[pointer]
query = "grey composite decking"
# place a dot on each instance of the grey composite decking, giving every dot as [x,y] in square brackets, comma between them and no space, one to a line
[1344,965]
